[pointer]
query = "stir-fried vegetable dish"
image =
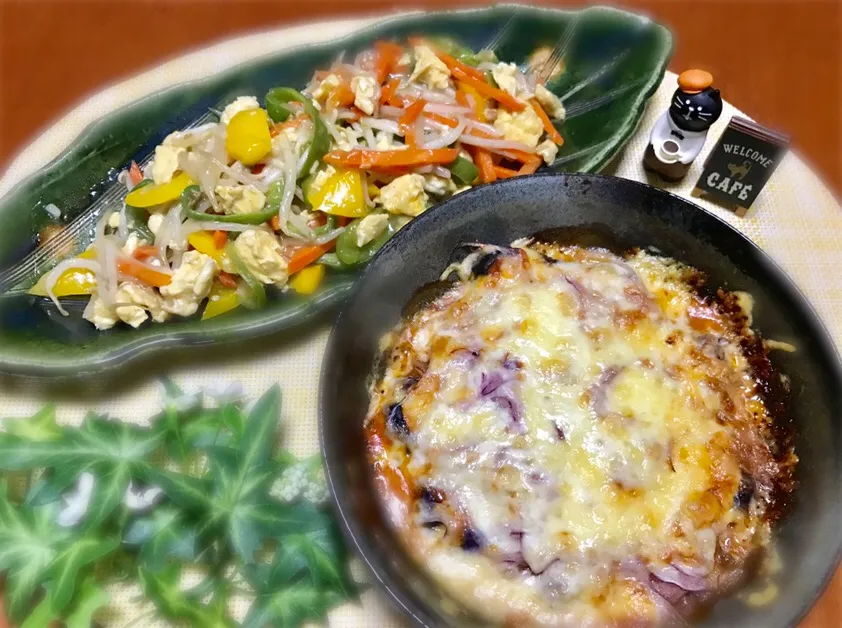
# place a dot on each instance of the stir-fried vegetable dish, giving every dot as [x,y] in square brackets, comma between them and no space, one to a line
[271,195]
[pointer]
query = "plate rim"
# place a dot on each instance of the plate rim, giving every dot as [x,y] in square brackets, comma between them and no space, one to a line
[130,350]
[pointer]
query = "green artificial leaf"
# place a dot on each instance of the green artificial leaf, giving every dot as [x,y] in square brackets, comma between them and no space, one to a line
[28,545]
[161,535]
[49,488]
[97,440]
[40,427]
[110,487]
[185,490]
[40,616]
[89,599]
[289,607]
[259,434]
[164,590]
[65,569]
[317,552]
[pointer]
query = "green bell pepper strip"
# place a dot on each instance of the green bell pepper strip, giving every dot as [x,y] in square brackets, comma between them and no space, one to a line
[257,292]
[192,193]
[350,254]
[276,100]
[331,261]
[463,170]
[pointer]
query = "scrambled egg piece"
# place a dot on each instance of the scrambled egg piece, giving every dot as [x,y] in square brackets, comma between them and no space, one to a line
[114,220]
[385,141]
[405,195]
[240,199]
[262,254]
[132,242]
[524,127]
[504,75]
[370,227]
[550,102]
[134,300]
[328,84]
[243,103]
[366,92]
[439,186]
[429,69]
[154,223]
[547,149]
[191,283]
[102,316]
[166,162]
[322,176]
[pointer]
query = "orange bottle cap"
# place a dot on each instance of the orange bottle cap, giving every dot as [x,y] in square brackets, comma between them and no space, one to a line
[694,80]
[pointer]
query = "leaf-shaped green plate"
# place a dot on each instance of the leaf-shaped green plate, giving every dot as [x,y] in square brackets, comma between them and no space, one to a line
[613,62]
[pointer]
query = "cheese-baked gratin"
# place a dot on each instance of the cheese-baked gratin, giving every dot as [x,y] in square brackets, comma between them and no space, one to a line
[567,437]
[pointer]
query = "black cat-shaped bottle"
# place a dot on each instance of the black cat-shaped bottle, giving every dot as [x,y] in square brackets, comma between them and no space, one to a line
[680,133]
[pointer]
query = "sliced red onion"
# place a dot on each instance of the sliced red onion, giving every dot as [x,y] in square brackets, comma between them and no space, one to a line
[494,144]
[674,576]
[447,110]
[239,176]
[485,128]
[445,139]
[424,169]
[441,171]
[328,236]
[346,114]
[599,390]
[392,112]
[389,126]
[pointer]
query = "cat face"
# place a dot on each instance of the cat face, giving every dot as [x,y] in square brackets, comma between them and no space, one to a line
[696,112]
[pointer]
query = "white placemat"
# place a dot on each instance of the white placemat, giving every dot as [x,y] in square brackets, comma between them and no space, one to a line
[795,219]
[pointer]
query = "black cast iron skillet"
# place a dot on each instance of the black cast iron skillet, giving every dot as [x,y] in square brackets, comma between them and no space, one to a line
[590,210]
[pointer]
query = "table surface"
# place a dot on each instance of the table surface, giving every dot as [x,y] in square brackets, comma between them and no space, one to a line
[761,54]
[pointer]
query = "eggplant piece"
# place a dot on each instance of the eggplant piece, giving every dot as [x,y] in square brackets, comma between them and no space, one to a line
[471,540]
[396,422]
[745,492]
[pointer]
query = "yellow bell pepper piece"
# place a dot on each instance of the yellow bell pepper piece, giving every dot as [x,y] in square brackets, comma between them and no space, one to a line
[72,282]
[203,242]
[220,300]
[151,195]
[248,139]
[306,280]
[341,194]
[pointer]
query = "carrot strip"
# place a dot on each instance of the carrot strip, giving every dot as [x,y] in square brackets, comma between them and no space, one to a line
[388,91]
[220,238]
[549,127]
[135,174]
[227,280]
[342,221]
[342,96]
[147,275]
[519,155]
[486,165]
[406,123]
[275,223]
[530,167]
[307,255]
[360,158]
[453,64]
[142,252]
[388,54]
[507,100]
[289,124]
[446,120]
[462,97]
[505,173]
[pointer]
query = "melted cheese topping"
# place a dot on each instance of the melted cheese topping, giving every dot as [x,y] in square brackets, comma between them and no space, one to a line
[559,440]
